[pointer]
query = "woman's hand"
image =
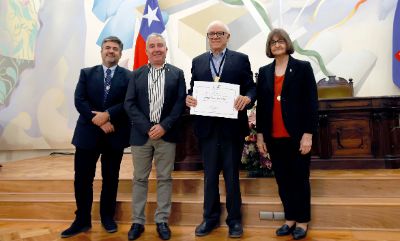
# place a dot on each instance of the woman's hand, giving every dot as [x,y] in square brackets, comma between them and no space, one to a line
[305,143]
[262,147]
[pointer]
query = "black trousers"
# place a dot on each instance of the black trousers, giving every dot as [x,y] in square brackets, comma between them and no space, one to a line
[292,174]
[85,169]
[219,153]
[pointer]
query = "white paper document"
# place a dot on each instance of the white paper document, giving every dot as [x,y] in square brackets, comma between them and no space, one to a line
[215,99]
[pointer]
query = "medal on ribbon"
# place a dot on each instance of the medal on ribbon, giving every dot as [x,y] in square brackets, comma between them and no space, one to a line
[218,73]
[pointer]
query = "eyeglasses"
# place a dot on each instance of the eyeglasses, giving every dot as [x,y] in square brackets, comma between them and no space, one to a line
[212,34]
[279,41]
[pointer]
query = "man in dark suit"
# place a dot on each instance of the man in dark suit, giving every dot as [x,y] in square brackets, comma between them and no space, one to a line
[102,130]
[155,100]
[221,139]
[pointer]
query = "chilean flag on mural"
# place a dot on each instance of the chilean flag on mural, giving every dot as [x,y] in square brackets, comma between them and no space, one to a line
[152,22]
[396,46]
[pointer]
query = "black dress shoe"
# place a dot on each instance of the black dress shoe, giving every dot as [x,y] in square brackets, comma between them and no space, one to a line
[163,231]
[299,233]
[109,225]
[205,228]
[285,230]
[135,231]
[235,230]
[76,228]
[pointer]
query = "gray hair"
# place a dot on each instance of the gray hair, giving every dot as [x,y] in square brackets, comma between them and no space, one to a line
[219,23]
[155,35]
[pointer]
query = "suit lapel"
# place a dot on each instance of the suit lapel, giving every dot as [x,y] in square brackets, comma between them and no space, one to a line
[114,81]
[227,66]
[99,82]
[167,81]
[205,64]
[289,75]
[116,77]
[143,81]
[270,77]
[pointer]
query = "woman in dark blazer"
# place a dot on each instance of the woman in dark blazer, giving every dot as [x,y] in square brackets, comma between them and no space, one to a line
[287,108]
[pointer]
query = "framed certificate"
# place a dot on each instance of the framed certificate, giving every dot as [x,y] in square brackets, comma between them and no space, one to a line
[215,99]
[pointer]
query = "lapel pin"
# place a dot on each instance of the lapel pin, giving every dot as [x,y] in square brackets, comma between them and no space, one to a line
[290,70]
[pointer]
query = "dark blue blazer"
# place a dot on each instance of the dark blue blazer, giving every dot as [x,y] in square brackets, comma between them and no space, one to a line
[236,70]
[138,108]
[89,94]
[299,99]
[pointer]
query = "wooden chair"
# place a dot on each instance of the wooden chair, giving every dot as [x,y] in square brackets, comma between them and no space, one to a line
[335,87]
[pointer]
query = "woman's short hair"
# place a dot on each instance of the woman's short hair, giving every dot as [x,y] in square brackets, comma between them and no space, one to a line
[281,34]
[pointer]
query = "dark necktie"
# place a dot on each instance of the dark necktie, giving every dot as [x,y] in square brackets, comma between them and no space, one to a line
[107,83]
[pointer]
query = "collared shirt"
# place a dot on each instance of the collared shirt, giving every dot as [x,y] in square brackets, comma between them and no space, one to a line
[156,83]
[217,61]
[112,71]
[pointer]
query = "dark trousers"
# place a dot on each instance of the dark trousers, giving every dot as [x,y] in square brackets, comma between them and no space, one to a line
[224,154]
[85,169]
[292,173]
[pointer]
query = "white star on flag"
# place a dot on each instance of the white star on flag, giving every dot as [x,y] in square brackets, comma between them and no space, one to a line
[151,15]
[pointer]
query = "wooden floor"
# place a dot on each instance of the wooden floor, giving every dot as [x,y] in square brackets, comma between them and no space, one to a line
[61,167]
[42,231]
[334,192]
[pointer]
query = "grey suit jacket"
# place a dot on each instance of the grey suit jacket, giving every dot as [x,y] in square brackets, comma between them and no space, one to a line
[138,108]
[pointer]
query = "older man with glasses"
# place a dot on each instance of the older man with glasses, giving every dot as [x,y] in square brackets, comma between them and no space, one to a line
[221,139]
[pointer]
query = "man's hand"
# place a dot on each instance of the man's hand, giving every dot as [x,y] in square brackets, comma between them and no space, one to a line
[156,132]
[107,127]
[241,102]
[305,143]
[100,118]
[190,101]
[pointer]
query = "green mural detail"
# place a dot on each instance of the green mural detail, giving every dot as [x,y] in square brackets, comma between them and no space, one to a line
[264,15]
[233,2]
[10,70]
[312,53]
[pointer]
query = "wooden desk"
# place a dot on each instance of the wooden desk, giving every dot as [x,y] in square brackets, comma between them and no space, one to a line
[354,133]
[358,132]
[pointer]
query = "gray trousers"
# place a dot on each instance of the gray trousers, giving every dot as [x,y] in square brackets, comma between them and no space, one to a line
[163,154]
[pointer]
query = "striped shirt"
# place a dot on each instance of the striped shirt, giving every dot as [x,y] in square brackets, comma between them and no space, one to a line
[156,82]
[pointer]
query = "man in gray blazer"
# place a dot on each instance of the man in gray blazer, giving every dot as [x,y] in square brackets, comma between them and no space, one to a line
[154,102]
